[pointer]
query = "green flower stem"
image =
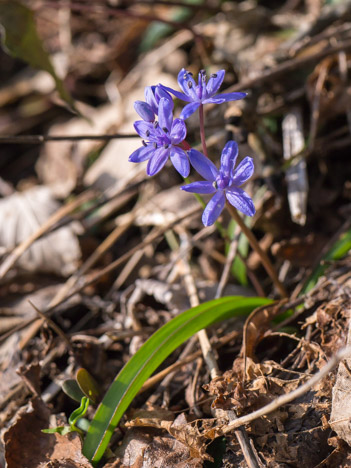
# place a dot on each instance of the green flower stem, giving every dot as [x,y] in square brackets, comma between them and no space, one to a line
[256,246]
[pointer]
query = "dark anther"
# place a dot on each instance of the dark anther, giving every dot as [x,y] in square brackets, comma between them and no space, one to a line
[155,145]
[147,133]
[185,76]
[155,124]
[166,145]
[189,73]
[165,129]
[214,184]
[190,85]
[203,72]
[143,142]
[214,75]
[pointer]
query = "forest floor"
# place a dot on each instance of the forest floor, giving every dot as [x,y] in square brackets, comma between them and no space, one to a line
[96,256]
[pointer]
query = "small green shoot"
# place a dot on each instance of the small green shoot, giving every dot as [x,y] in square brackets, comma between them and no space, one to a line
[74,421]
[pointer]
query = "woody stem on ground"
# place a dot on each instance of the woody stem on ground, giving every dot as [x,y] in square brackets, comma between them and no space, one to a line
[202,130]
[256,246]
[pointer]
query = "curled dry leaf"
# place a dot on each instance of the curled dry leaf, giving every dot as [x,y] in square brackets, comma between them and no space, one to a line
[22,214]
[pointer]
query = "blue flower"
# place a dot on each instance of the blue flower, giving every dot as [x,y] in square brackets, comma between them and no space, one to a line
[149,109]
[224,183]
[160,141]
[201,93]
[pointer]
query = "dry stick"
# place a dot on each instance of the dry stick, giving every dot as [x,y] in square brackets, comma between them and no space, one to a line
[322,76]
[53,325]
[229,261]
[94,257]
[182,362]
[256,246]
[49,223]
[288,66]
[156,234]
[194,302]
[285,399]
[38,139]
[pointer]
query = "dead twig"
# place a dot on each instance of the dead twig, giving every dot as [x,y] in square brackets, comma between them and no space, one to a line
[38,139]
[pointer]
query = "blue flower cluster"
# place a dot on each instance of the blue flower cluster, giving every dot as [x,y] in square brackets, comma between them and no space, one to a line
[164,137]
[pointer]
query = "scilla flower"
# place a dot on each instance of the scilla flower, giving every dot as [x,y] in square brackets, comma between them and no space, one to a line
[224,183]
[201,93]
[160,141]
[149,109]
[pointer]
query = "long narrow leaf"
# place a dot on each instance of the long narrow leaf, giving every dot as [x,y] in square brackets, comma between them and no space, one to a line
[338,250]
[146,360]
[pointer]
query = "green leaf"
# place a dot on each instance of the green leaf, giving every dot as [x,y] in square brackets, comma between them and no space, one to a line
[72,389]
[146,360]
[238,268]
[79,412]
[62,430]
[88,385]
[339,249]
[20,39]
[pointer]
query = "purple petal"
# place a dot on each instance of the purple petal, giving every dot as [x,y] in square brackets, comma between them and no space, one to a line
[177,94]
[157,161]
[144,110]
[144,129]
[180,161]
[165,114]
[189,109]
[214,83]
[187,84]
[241,201]
[203,165]
[178,131]
[199,187]
[150,98]
[243,172]
[141,154]
[220,98]
[228,158]
[213,209]
[162,93]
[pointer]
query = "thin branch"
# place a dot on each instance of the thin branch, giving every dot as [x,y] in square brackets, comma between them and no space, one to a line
[172,3]
[38,139]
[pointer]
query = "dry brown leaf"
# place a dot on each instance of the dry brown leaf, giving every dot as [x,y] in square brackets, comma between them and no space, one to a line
[145,448]
[180,429]
[27,447]
[23,213]
[255,327]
